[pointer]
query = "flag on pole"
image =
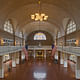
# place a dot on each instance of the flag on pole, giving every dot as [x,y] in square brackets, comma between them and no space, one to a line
[53,50]
[25,52]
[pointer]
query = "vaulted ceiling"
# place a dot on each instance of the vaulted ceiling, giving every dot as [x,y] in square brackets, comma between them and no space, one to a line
[59,12]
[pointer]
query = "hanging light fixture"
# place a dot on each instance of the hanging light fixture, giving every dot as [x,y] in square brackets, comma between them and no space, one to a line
[39,16]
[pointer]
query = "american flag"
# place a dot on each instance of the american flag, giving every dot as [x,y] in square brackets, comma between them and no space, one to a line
[25,52]
[53,51]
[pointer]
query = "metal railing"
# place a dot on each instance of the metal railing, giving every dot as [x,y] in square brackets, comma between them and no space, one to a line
[69,49]
[9,49]
[40,47]
[66,49]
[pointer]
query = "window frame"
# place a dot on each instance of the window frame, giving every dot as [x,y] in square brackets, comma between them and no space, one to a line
[8,27]
[71,27]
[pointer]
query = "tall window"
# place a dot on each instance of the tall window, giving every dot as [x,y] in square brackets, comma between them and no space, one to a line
[20,34]
[71,27]
[59,35]
[39,36]
[8,27]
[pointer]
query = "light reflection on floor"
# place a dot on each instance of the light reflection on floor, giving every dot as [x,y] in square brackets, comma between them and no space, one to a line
[40,70]
[39,75]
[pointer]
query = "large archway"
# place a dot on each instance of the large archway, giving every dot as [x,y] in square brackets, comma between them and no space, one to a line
[48,41]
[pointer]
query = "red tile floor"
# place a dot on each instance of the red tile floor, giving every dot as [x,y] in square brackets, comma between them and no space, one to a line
[41,69]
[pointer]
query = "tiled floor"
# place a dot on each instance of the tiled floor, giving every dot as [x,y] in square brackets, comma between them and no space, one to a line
[41,70]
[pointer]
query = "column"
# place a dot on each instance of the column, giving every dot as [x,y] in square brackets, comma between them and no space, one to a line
[45,54]
[1,67]
[65,60]
[61,58]
[23,57]
[78,68]
[34,54]
[20,57]
[14,60]
[17,58]
[56,56]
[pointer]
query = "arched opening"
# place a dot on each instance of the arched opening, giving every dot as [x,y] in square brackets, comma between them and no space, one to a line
[42,37]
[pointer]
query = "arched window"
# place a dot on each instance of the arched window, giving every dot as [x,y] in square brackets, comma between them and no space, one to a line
[39,36]
[8,27]
[71,27]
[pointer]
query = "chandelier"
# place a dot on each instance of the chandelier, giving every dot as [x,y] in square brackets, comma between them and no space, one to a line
[39,16]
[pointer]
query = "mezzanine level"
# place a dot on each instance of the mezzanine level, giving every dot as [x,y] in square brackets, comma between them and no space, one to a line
[9,49]
[65,49]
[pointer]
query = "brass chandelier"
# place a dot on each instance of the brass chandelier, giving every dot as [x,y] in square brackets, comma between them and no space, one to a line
[39,16]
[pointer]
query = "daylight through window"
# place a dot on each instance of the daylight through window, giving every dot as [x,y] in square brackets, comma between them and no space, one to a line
[71,27]
[8,27]
[39,36]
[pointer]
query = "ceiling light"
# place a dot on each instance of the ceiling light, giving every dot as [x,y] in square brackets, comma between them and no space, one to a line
[39,16]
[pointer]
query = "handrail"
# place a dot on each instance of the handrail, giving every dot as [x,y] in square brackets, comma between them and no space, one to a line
[39,47]
[9,49]
[69,50]
[66,49]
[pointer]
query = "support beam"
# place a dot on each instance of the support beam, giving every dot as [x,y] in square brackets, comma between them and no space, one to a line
[14,60]
[1,67]
[78,68]
[65,60]
[17,58]
[61,58]
[23,40]
[20,57]
[34,54]
[23,56]
[56,56]
[45,54]
[14,37]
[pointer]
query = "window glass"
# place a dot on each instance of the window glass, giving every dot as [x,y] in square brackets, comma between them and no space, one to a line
[8,27]
[71,27]
[20,35]
[39,36]
[59,35]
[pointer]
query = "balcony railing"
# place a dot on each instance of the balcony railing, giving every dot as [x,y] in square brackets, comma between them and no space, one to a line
[9,49]
[69,50]
[40,47]
[66,49]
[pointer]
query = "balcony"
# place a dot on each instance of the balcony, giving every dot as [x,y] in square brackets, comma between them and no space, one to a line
[9,49]
[69,50]
[40,48]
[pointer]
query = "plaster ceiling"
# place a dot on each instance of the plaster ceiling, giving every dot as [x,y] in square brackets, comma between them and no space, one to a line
[59,11]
